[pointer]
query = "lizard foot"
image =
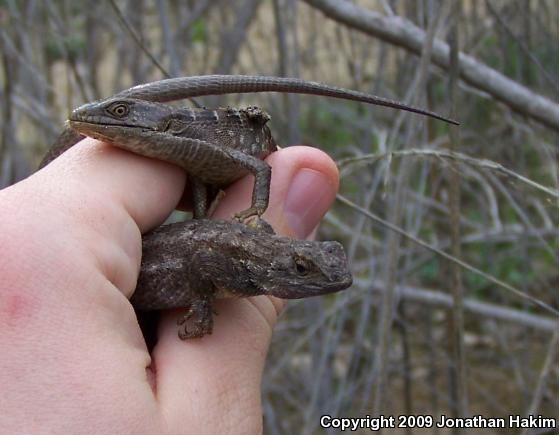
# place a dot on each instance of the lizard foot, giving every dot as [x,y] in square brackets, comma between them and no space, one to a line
[258,224]
[252,219]
[248,214]
[197,321]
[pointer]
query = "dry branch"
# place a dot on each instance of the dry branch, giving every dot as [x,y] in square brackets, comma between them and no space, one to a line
[480,309]
[405,34]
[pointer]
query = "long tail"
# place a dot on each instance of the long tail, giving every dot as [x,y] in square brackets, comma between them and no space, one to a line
[195,86]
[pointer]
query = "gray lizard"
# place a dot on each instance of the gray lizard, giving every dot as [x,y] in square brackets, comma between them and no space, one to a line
[190,264]
[215,146]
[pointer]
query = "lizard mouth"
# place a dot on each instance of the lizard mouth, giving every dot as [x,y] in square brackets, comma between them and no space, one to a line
[308,290]
[78,124]
[107,132]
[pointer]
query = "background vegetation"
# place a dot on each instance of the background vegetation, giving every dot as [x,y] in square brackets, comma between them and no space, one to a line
[452,233]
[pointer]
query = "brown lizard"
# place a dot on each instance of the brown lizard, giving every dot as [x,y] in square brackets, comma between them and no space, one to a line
[189,264]
[216,147]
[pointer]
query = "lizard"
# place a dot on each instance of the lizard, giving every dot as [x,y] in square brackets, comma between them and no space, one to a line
[229,259]
[215,146]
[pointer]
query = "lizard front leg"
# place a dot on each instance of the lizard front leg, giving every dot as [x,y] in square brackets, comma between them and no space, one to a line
[197,321]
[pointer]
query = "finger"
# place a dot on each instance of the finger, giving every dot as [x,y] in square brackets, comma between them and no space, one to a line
[112,175]
[223,370]
[107,194]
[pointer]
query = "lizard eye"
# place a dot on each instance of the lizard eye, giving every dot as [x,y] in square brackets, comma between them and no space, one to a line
[120,110]
[301,267]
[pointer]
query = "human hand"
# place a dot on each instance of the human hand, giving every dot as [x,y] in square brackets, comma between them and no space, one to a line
[73,357]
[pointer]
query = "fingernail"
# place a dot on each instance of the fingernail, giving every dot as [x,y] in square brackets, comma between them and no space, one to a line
[307,200]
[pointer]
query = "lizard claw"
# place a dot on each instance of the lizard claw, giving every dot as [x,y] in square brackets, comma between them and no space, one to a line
[258,224]
[252,219]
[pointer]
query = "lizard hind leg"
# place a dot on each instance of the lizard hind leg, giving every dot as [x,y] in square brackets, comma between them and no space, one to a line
[199,198]
[262,176]
[197,321]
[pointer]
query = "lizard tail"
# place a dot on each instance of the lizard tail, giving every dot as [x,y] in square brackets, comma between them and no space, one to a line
[195,86]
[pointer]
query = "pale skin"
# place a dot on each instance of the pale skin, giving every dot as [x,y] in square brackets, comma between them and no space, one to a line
[73,357]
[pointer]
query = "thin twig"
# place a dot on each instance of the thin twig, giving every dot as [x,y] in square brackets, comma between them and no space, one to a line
[124,22]
[168,44]
[393,238]
[457,319]
[62,28]
[449,257]
[543,378]
[451,155]
[527,52]
[441,298]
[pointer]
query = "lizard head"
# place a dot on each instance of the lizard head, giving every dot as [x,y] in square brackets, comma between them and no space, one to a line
[305,268]
[108,120]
